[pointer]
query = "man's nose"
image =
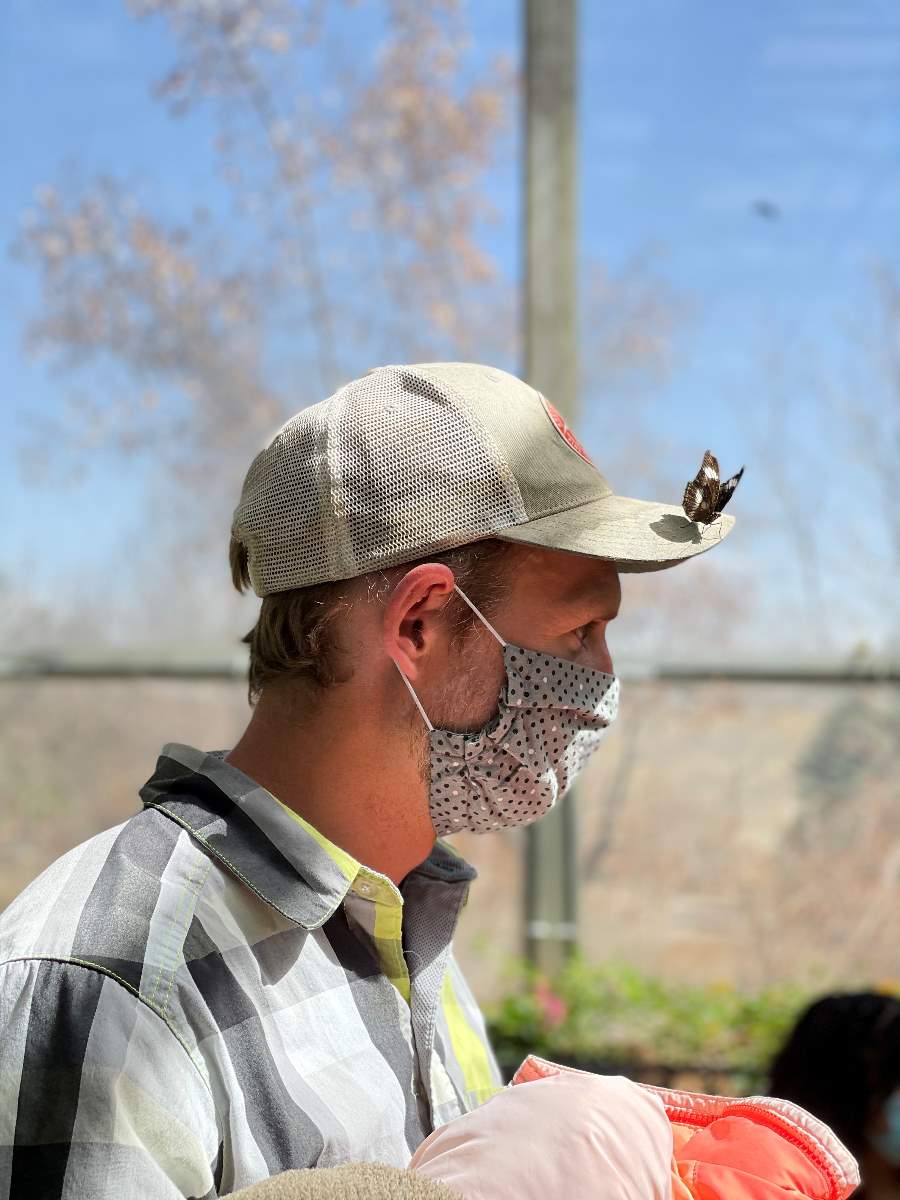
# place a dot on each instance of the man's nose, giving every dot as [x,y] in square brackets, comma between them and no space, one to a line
[603,659]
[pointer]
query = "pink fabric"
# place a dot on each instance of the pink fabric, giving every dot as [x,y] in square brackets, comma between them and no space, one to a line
[582,1136]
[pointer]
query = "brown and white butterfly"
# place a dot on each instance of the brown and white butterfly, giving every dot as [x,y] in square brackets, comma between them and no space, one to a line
[704,496]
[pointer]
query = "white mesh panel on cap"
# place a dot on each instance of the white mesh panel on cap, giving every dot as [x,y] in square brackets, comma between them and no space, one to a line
[285,509]
[388,469]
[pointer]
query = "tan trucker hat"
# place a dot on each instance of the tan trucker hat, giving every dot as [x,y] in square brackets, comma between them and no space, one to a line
[412,460]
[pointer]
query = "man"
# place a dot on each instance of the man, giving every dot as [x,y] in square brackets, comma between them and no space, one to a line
[255,972]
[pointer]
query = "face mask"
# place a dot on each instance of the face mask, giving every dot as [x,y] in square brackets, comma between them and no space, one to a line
[887,1142]
[552,716]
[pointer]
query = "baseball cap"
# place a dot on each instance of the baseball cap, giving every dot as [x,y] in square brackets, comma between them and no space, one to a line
[409,461]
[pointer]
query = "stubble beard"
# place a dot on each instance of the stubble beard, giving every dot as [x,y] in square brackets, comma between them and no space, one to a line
[465,705]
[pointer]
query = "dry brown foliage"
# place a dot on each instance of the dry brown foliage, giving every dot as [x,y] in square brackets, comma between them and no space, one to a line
[357,237]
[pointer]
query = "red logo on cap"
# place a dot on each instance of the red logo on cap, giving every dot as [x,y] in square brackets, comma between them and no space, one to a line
[564,431]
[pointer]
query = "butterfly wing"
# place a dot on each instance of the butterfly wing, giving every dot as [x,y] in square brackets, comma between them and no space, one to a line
[701,494]
[726,490]
[693,500]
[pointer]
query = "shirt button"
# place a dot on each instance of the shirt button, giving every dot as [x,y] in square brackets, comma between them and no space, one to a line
[365,888]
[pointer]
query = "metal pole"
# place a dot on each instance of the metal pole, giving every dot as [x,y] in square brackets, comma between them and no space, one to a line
[551,366]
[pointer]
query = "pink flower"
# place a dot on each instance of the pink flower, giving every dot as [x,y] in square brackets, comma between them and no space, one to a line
[552,1007]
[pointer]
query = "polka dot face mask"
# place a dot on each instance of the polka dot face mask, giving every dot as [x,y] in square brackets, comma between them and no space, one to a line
[552,716]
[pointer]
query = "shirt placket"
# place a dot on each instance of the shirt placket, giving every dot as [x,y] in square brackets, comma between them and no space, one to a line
[428,945]
[375,910]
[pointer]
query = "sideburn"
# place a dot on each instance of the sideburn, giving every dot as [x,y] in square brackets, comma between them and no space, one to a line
[469,700]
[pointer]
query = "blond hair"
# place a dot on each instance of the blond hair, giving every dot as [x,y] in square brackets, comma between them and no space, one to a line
[296,639]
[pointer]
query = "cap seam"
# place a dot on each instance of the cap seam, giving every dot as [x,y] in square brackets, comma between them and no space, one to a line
[511,488]
[332,486]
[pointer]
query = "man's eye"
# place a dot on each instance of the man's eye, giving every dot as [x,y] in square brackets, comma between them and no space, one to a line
[583,632]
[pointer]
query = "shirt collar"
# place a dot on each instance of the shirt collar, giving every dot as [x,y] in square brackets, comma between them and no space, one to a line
[277,854]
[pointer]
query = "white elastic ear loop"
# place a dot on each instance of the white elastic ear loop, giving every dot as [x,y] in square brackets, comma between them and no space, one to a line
[412,692]
[480,615]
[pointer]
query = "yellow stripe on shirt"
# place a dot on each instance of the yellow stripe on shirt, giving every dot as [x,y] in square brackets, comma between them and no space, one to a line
[468,1047]
[388,935]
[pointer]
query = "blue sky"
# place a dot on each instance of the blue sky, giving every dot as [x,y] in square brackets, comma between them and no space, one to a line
[690,111]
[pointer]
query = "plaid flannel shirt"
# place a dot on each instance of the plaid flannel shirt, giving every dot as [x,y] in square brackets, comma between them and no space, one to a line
[212,992]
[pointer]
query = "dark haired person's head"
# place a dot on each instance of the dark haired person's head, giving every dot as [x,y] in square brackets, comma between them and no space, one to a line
[842,1063]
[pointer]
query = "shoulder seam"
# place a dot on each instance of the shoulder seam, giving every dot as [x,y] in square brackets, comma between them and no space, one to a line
[86,963]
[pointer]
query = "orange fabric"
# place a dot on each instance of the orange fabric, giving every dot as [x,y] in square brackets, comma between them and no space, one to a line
[733,1157]
[758,1148]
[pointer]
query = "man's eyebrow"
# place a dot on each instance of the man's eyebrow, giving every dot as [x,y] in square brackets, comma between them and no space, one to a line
[590,592]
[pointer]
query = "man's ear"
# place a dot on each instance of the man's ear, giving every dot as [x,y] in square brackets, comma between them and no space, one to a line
[412,615]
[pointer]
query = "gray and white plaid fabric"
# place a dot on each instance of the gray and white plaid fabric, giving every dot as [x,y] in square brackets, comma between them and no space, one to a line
[211,993]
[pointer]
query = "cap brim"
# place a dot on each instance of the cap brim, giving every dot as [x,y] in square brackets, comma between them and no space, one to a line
[637,535]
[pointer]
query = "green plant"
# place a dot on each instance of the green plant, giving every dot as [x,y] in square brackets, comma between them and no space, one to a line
[613,1013]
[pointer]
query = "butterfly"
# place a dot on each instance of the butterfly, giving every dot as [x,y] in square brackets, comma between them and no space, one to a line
[704,496]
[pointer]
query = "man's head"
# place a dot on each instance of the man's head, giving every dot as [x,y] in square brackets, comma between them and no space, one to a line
[448,464]
[357,524]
